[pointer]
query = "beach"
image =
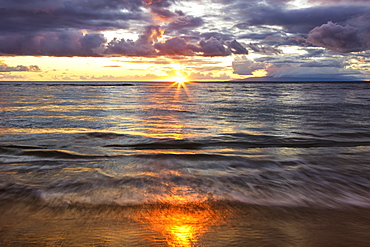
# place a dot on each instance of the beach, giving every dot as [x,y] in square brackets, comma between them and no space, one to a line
[217,224]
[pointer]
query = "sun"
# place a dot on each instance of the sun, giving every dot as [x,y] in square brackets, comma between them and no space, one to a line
[178,77]
[180,80]
[177,80]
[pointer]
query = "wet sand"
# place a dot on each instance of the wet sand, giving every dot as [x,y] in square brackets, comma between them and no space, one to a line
[26,223]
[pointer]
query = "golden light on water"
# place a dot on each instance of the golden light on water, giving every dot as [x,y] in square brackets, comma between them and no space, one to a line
[180,225]
[182,217]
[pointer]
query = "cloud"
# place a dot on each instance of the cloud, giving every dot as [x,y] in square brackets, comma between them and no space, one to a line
[339,26]
[265,27]
[339,38]
[237,48]
[297,69]
[146,61]
[214,47]
[75,43]
[148,45]
[176,46]
[112,66]
[19,68]
[217,35]
[197,76]
[65,28]
[51,15]
[339,1]
[299,21]
[325,63]
[211,47]
[264,49]
[143,46]
[129,48]
[161,13]
[7,76]
[181,24]
[245,66]
[63,43]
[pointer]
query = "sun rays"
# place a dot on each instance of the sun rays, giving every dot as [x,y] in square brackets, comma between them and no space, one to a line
[179,80]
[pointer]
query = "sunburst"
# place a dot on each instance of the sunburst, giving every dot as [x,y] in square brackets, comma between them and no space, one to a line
[181,85]
[180,80]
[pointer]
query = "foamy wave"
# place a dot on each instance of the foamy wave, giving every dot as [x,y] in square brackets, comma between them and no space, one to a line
[292,183]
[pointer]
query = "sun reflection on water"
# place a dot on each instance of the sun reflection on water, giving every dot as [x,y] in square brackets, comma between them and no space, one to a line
[166,109]
[180,225]
[181,218]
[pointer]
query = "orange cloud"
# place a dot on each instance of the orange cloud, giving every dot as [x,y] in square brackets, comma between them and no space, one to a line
[149,2]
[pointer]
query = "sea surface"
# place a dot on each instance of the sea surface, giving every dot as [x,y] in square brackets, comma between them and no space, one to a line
[170,164]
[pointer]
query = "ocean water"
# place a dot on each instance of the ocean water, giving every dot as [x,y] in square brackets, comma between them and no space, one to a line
[169,147]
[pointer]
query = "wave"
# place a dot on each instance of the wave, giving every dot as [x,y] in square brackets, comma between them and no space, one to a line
[105,145]
[165,144]
[47,153]
[350,135]
[254,142]
[101,168]
[289,184]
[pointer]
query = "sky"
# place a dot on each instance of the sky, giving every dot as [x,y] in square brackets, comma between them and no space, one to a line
[196,40]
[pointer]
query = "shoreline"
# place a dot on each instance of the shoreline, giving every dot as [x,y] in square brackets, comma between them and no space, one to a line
[23,223]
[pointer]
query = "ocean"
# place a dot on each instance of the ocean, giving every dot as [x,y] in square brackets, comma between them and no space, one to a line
[194,164]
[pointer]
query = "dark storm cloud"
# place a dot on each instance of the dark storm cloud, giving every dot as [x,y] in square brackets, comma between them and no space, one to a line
[339,38]
[58,27]
[35,15]
[339,26]
[63,43]
[299,20]
[338,1]
[66,28]
[53,4]
[148,45]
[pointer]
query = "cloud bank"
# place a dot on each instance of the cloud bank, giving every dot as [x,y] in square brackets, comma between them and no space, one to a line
[269,30]
[65,28]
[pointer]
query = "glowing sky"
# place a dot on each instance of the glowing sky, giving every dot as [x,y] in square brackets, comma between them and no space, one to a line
[197,39]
